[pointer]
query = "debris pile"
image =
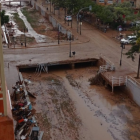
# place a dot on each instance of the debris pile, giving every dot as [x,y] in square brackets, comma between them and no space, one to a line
[22,111]
[97,80]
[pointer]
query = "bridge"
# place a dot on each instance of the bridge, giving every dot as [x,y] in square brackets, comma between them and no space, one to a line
[110,75]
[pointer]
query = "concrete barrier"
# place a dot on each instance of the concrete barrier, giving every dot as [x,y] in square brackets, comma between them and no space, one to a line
[134,87]
[54,22]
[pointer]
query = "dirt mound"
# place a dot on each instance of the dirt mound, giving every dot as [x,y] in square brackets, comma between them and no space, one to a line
[97,80]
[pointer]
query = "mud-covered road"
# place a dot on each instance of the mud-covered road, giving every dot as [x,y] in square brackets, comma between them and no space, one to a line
[67,107]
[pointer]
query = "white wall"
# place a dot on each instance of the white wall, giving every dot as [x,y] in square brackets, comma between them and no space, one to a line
[134,89]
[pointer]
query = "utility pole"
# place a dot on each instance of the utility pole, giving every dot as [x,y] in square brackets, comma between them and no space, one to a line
[2,75]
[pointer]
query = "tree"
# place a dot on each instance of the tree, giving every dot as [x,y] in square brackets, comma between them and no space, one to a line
[135,49]
[72,6]
[4,18]
[115,14]
[105,15]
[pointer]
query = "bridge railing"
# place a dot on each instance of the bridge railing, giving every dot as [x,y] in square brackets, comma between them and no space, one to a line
[105,68]
[118,80]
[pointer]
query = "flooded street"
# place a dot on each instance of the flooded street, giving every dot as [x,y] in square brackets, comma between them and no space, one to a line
[14,8]
[39,38]
[99,113]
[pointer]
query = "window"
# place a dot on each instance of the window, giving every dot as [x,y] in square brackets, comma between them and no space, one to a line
[110,1]
[101,1]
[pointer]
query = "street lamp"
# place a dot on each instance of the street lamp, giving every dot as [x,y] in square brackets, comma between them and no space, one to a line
[25,29]
[123,47]
[14,39]
[50,6]
[58,33]
[70,38]
[80,24]
[90,8]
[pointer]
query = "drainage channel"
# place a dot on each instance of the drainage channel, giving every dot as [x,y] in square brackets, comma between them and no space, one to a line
[38,68]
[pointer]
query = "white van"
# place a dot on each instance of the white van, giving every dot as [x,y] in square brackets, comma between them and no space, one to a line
[129,39]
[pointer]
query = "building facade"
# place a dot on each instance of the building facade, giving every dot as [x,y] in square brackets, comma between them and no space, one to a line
[138,3]
[135,3]
[6,119]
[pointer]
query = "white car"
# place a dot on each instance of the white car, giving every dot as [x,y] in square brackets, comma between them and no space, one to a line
[129,39]
[68,18]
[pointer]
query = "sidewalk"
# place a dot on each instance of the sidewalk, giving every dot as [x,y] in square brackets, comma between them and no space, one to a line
[47,44]
[59,16]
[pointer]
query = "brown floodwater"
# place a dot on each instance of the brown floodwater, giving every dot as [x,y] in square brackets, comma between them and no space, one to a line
[99,114]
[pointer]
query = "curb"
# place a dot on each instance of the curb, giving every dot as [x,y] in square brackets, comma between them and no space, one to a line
[80,42]
[51,45]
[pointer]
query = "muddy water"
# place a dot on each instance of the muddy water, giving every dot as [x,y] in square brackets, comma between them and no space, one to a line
[39,38]
[93,128]
[104,115]
[9,12]
[31,33]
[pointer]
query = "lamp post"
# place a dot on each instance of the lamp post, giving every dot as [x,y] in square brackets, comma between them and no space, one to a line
[50,6]
[70,38]
[24,30]
[90,8]
[80,25]
[14,41]
[58,34]
[65,14]
[25,35]
[123,47]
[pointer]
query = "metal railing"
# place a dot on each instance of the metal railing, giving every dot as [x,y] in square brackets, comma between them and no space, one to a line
[105,68]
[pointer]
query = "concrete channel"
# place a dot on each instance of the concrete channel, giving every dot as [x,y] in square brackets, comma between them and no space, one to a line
[61,64]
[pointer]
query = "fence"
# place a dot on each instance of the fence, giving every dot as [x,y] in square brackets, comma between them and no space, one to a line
[54,22]
[134,87]
[115,81]
[105,68]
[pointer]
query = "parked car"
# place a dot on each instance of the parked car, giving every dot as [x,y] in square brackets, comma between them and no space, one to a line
[129,39]
[68,18]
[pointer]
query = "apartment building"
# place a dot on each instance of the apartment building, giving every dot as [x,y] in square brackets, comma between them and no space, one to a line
[6,119]
[135,3]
